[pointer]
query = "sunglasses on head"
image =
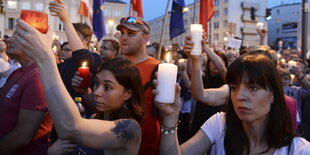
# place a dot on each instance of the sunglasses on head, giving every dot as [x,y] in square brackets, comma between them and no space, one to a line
[131,20]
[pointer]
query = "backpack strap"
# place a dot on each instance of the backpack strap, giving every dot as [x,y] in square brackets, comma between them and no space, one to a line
[150,83]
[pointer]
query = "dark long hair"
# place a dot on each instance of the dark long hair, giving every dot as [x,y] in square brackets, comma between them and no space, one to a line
[260,70]
[127,74]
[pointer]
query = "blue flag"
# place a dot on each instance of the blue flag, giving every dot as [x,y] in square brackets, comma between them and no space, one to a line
[98,20]
[176,19]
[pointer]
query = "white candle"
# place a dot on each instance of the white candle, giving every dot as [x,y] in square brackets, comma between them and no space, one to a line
[260,25]
[291,64]
[282,61]
[167,77]
[196,32]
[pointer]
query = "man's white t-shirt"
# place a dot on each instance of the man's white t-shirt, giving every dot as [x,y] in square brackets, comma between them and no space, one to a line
[214,128]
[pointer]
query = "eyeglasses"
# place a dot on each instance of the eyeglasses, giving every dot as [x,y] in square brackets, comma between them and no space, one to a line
[66,50]
[106,48]
[131,20]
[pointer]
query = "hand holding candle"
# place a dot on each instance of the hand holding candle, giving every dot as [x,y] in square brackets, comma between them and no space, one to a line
[196,32]
[38,20]
[84,73]
[167,77]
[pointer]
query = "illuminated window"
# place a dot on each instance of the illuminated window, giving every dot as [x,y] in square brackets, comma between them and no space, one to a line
[12,4]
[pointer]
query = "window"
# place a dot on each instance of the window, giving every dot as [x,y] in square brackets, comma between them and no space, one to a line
[216,36]
[278,11]
[216,25]
[225,1]
[225,11]
[225,23]
[11,23]
[117,12]
[106,12]
[216,2]
[278,30]
[39,6]
[216,13]
[25,6]
[12,4]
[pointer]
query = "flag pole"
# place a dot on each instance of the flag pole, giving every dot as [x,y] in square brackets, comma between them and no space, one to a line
[130,9]
[163,30]
[194,14]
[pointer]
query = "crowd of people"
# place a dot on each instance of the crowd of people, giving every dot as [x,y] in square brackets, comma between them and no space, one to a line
[252,101]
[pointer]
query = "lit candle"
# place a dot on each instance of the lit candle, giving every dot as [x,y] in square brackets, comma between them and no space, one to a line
[54,48]
[260,25]
[292,76]
[282,61]
[196,32]
[38,20]
[291,64]
[84,73]
[167,77]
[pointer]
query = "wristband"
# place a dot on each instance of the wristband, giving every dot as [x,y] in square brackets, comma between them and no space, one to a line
[167,130]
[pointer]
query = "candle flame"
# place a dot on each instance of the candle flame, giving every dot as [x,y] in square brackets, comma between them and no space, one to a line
[84,64]
[168,57]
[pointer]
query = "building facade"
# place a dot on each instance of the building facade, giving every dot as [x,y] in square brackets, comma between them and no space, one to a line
[113,11]
[231,19]
[285,26]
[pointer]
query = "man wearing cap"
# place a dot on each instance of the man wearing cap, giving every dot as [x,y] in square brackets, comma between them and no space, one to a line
[135,33]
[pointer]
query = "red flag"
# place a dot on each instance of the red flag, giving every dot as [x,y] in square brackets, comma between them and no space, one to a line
[85,9]
[136,8]
[206,13]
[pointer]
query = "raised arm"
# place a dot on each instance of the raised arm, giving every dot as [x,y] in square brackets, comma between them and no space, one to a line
[69,124]
[74,40]
[217,61]
[212,97]
[169,143]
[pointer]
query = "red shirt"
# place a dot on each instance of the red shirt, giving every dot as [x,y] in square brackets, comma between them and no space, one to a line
[292,107]
[24,90]
[151,127]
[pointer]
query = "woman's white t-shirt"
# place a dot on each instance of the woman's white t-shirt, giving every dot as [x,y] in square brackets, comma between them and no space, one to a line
[214,128]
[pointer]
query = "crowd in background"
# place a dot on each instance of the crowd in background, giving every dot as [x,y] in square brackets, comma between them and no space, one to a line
[120,115]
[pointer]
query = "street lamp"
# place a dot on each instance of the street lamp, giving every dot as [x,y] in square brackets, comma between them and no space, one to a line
[111,23]
[185,10]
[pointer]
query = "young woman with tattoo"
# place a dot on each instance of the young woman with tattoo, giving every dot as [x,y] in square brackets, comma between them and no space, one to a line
[118,93]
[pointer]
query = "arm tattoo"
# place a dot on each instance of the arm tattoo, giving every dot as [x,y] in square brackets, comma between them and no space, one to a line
[126,130]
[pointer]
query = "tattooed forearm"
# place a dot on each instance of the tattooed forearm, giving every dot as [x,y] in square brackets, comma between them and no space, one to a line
[126,130]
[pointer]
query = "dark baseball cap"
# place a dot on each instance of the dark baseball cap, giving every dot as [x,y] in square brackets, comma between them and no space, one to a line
[134,24]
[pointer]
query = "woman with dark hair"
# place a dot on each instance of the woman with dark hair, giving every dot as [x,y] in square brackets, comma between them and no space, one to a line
[256,121]
[118,93]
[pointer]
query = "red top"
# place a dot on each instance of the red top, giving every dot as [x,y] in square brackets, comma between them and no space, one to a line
[151,127]
[24,90]
[292,107]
